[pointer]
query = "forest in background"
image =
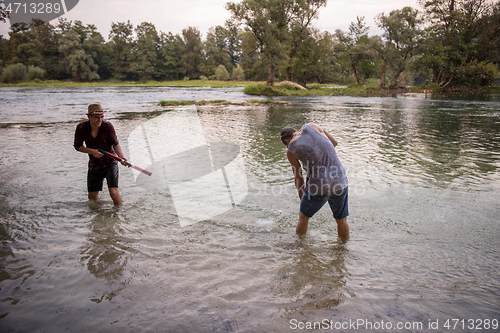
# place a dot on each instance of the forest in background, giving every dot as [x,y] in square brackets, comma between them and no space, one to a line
[444,44]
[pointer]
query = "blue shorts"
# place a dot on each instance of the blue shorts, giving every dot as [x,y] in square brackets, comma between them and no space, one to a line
[311,204]
[95,179]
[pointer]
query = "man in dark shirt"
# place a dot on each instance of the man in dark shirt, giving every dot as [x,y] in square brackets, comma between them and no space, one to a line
[99,134]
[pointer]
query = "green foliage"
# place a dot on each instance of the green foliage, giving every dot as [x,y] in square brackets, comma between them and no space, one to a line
[355,49]
[192,58]
[460,47]
[238,74]
[35,73]
[3,12]
[14,73]
[403,32]
[263,89]
[461,32]
[174,103]
[475,74]
[216,49]
[146,60]
[121,45]
[278,26]
[80,46]
[221,73]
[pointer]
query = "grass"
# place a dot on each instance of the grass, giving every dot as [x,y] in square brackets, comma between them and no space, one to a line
[115,83]
[174,103]
[368,89]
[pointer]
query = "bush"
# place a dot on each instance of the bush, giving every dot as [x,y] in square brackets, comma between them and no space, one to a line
[221,73]
[14,73]
[475,74]
[238,74]
[203,78]
[263,89]
[35,73]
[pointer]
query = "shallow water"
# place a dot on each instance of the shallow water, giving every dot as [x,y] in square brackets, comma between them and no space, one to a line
[424,181]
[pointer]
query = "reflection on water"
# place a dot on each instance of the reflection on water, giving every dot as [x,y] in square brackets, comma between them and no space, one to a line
[313,270]
[423,176]
[105,253]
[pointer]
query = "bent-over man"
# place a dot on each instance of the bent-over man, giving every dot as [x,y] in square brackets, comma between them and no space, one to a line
[326,177]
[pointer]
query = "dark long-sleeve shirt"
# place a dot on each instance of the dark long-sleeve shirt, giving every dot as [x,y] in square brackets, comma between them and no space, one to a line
[106,139]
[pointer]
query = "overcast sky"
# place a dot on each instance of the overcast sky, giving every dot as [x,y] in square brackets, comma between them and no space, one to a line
[176,15]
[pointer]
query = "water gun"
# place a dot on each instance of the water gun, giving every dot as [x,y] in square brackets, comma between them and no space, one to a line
[126,163]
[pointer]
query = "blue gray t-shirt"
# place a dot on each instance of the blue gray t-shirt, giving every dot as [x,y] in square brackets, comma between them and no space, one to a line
[325,173]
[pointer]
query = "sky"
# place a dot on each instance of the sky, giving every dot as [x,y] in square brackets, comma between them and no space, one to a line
[176,15]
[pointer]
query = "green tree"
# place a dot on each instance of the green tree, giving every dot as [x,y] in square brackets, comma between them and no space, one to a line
[3,12]
[276,24]
[14,73]
[457,29]
[238,74]
[383,50]
[488,42]
[314,60]
[354,48]
[192,59]
[300,30]
[48,38]
[217,51]
[121,45]
[146,55]
[172,49]
[233,42]
[403,33]
[221,73]
[253,61]
[80,46]
[23,46]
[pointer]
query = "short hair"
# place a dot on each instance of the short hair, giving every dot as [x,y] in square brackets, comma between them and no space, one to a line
[287,133]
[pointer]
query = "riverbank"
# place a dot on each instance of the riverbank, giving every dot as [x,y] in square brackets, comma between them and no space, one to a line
[261,89]
[114,83]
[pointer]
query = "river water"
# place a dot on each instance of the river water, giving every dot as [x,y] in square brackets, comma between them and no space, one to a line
[424,217]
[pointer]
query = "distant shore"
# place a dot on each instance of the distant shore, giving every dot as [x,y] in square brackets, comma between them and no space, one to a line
[260,88]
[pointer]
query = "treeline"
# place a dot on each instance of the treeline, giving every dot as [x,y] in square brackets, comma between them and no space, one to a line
[447,43]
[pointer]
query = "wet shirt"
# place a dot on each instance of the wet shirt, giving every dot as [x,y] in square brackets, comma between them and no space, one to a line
[106,139]
[325,173]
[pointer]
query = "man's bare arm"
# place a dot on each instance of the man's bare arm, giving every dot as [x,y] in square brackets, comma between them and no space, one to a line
[297,172]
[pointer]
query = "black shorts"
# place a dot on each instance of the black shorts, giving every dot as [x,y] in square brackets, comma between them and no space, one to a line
[95,179]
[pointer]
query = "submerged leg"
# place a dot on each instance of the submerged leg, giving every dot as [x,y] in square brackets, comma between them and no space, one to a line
[115,195]
[343,228]
[94,195]
[302,224]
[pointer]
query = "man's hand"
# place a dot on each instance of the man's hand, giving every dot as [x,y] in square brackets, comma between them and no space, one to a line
[124,162]
[97,154]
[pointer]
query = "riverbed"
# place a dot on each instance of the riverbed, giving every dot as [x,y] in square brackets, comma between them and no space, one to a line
[424,178]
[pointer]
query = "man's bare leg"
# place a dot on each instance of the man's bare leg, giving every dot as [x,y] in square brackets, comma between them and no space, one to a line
[94,196]
[115,195]
[343,228]
[302,224]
